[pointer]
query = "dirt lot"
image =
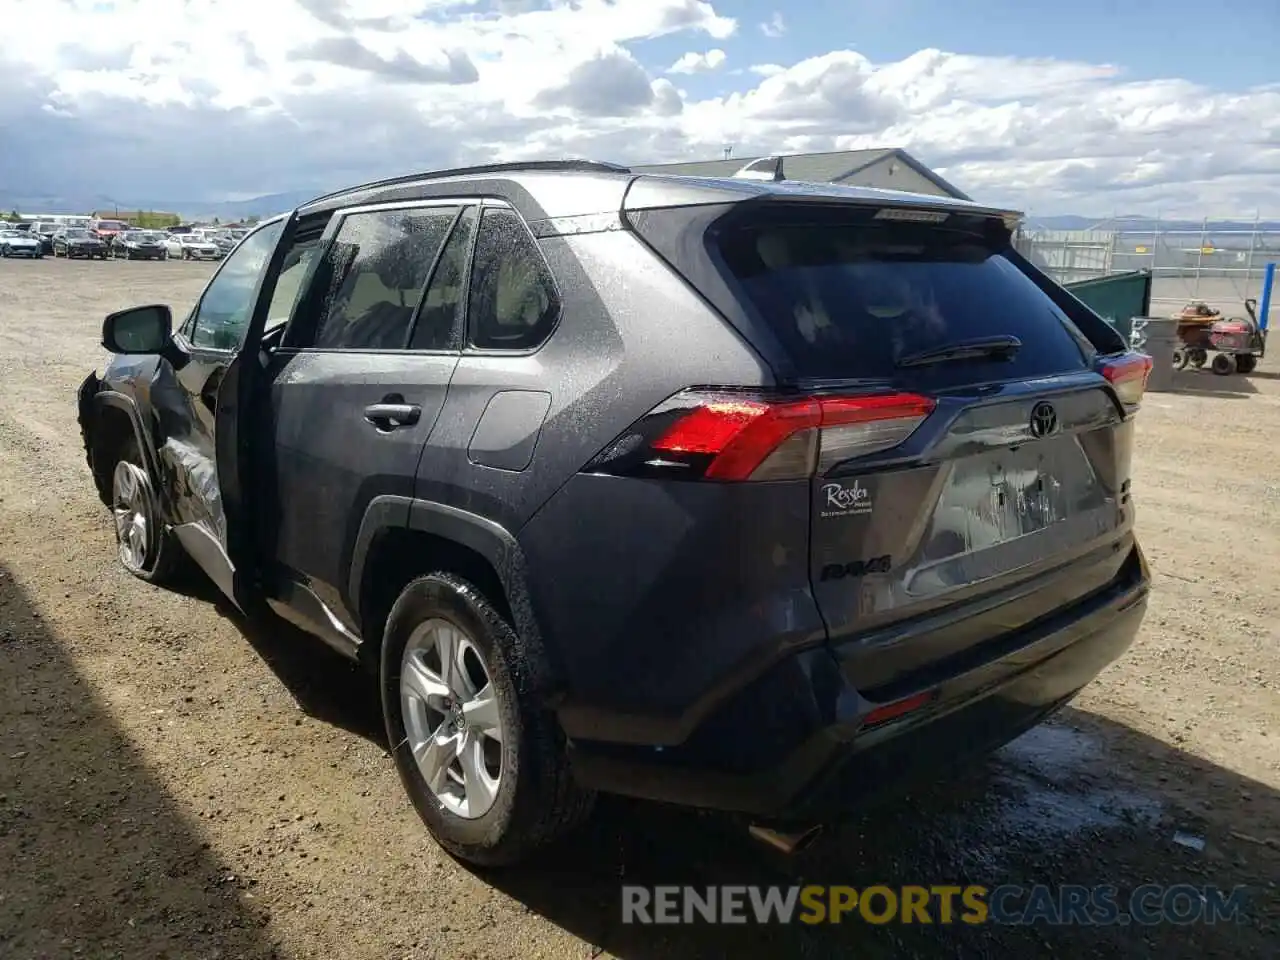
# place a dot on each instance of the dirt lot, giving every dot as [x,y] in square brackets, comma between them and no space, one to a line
[175,782]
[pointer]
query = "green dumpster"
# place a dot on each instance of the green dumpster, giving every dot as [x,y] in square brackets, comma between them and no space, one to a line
[1117,298]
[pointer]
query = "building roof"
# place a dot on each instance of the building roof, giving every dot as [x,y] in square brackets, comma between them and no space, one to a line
[830,167]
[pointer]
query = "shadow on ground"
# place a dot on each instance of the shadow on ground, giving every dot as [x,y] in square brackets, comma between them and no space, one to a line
[91,842]
[325,684]
[1078,801]
[96,859]
[1208,383]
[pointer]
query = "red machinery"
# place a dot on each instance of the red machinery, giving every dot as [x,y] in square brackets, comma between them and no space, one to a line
[1237,343]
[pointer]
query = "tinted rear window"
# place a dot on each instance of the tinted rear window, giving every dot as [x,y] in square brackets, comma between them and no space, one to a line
[850,300]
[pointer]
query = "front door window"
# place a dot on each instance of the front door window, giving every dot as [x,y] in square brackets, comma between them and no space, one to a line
[222,316]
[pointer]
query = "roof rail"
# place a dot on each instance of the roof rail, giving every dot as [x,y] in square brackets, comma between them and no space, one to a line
[765,168]
[514,166]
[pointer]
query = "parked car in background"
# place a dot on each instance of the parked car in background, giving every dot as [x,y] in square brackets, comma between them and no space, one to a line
[222,239]
[140,245]
[108,230]
[192,246]
[79,242]
[872,519]
[46,230]
[20,243]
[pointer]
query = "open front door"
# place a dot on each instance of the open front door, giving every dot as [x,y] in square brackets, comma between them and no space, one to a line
[231,468]
[254,264]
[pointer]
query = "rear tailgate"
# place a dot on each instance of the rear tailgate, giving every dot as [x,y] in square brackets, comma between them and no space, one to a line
[959,493]
[974,529]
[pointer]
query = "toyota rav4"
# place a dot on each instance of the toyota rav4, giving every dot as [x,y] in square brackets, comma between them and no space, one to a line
[742,494]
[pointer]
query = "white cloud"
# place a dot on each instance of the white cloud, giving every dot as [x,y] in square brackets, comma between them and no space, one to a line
[610,84]
[204,101]
[694,62]
[775,27]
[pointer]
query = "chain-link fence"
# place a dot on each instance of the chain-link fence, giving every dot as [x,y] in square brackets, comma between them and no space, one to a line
[1220,262]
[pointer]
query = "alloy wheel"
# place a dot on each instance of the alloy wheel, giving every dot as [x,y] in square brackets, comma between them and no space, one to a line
[131,509]
[452,718]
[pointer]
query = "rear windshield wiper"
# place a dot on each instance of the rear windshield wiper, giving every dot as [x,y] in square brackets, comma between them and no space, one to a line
[982,348]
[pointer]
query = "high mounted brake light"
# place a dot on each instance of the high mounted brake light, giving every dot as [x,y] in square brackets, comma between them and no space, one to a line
[737,436]
[912,216]
[1128,377]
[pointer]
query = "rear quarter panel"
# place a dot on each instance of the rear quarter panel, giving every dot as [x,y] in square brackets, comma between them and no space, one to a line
[630,335]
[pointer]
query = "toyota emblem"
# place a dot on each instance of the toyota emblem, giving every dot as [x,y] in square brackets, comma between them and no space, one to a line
[1044,419]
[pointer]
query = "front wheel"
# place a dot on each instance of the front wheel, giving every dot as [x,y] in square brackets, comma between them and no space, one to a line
[1246,363]
[145,545]
[1224,364]
[483,762]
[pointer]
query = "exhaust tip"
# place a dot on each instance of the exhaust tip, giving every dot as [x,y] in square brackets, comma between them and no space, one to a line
[789,842]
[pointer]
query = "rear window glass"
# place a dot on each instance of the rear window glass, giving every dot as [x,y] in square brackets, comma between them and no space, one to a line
[850,301]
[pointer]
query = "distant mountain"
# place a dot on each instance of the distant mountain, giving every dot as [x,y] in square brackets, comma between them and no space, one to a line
[263,206]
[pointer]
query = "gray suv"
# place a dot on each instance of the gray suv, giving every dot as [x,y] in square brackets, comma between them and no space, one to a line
[743,494]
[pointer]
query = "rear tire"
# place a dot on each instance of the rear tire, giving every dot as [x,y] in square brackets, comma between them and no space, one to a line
[145,545]
[490,777]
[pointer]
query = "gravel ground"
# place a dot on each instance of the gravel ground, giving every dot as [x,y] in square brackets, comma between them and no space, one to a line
[176,782]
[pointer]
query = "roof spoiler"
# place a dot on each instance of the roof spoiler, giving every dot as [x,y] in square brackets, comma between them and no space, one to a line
[766,168]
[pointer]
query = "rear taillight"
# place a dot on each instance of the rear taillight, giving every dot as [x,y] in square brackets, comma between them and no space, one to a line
[1128,376]
[711,435]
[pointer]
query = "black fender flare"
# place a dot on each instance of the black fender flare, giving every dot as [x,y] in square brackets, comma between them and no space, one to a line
[482,536]
[106,397]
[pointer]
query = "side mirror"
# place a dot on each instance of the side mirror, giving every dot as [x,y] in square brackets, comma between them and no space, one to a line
[138,330]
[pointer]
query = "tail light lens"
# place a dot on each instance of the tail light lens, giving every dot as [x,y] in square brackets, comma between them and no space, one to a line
[1128,376]
[711,435]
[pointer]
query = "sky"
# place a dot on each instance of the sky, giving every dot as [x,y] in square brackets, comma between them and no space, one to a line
[1094,107]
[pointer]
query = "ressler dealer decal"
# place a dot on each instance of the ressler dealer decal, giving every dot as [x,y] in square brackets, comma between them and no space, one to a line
[841,500]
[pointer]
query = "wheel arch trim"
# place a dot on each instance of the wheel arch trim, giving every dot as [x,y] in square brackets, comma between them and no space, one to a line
[491,541]
[146,448]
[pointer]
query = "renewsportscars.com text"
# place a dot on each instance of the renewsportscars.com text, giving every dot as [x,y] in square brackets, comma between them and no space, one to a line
[1068,904]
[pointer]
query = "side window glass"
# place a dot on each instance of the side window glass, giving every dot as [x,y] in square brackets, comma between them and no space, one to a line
[513,303]
[222,315]
[289,284]
[377,266]
[440,319]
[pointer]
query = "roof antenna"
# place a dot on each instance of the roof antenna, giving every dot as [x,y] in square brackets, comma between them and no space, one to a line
[728,150]
[766,168]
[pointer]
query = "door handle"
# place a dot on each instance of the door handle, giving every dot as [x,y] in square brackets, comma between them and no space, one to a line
[388,416]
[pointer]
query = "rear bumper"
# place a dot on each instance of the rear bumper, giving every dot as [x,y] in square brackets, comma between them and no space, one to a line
[795,744]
